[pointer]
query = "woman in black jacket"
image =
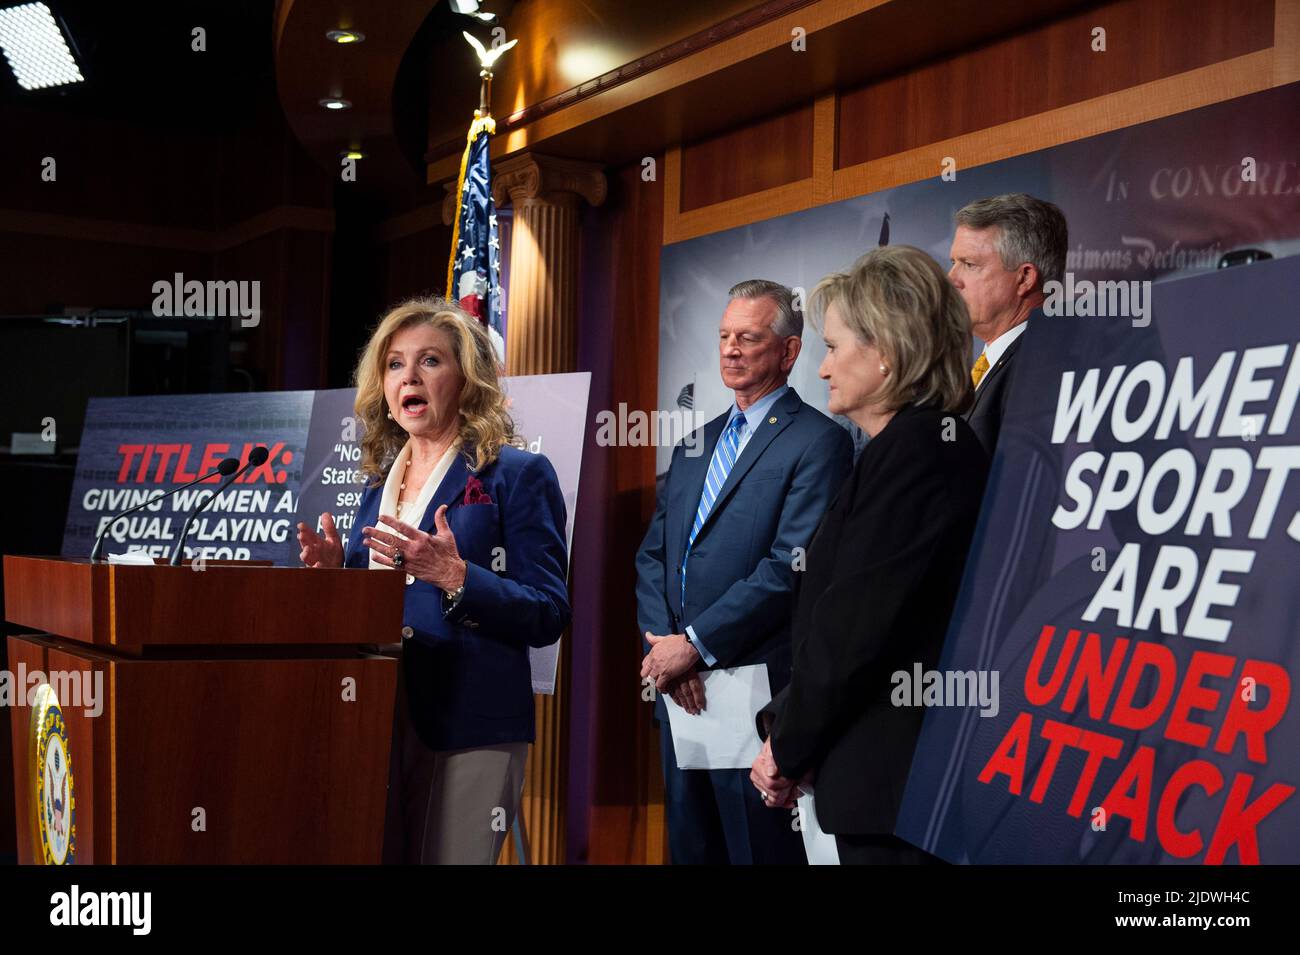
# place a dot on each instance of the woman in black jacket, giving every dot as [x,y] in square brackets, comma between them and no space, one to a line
[883,570]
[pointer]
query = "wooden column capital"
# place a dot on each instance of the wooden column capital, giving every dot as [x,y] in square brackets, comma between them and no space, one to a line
[532,176]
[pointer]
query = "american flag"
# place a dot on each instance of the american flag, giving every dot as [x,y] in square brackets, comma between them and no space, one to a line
[473,274]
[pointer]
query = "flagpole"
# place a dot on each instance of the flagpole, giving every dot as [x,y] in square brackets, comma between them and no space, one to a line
[482,123]
[482,119]
[484,94]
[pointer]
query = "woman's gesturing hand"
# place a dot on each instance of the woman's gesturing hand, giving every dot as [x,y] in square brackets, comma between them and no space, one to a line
[320,551]
[429,557]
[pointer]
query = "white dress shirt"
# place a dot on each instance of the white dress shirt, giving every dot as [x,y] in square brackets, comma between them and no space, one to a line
[754,417]
[995,349]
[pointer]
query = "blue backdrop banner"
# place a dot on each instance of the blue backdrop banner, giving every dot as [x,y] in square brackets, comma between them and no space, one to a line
[133,448]
[1132,593]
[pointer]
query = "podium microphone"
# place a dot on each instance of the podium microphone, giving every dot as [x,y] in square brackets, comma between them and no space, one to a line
[255,457]
[226,467]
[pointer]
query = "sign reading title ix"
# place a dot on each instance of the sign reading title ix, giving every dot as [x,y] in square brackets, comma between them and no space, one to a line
[134,448]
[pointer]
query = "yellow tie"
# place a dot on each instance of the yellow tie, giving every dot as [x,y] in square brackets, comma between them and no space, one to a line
[980,369]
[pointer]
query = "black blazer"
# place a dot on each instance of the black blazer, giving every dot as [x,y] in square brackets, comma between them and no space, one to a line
[985,415]
[882,575]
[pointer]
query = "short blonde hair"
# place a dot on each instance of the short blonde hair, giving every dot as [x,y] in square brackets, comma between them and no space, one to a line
[485,424]
[897,299]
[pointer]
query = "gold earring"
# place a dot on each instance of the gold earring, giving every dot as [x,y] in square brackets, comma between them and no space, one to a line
[390,416]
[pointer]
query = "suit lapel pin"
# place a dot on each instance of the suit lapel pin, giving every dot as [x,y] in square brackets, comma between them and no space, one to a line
[772,420]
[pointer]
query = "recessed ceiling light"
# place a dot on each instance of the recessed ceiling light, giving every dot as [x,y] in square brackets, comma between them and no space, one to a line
[345,36]
[336,103]
[35,47]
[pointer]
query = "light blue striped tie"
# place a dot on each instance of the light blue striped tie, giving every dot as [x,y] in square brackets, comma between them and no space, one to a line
[724,458]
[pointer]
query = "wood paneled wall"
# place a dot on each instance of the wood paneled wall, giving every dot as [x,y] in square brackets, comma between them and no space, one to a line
[1047,68]
[1034,89]
[619,342]
[761,156]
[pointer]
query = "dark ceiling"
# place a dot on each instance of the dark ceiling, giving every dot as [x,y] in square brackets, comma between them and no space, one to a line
[140,68]
[142,75]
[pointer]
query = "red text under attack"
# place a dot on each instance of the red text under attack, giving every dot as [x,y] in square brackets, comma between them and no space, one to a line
[1240,721]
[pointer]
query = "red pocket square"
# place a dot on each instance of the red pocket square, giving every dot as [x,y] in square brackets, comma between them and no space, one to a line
[474,493]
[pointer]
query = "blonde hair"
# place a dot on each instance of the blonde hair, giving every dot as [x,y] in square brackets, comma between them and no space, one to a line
[485,425]
[897,299]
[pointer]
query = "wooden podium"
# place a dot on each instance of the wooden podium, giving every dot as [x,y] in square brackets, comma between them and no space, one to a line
[241,719]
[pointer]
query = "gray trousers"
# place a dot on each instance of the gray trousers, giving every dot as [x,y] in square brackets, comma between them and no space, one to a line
[448,807]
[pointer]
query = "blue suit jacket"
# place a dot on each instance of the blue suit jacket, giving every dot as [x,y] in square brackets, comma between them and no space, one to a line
[467,673]
[740,576]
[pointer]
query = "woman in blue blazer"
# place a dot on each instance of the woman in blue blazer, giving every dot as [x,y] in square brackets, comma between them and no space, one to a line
[477,527]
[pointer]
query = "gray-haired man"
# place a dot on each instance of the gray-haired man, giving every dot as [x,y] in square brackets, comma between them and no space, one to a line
[715,574]
[1004,250]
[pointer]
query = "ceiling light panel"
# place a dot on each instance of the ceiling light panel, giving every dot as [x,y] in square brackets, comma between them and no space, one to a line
[35,47]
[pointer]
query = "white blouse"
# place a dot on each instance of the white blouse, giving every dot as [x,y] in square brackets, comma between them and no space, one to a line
[409,512]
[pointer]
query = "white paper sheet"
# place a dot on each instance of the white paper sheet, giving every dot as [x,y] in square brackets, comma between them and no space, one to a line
[136,558]
[819,846]
[723,735]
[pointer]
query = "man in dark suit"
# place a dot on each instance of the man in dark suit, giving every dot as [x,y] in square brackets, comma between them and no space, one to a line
[715,572]
[1003,252]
